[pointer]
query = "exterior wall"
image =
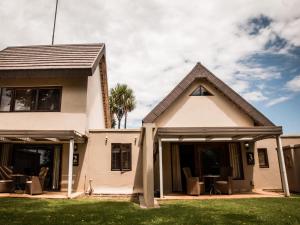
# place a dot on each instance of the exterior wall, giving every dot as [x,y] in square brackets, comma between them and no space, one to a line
[267,178]
[95,111]
[203,111]
[81,103]
[97,163]
[73,104]
[79,171]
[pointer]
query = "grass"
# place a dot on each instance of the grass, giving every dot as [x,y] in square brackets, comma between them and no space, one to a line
[90,211]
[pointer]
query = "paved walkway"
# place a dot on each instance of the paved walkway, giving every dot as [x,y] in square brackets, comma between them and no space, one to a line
[45,195]
[256,194]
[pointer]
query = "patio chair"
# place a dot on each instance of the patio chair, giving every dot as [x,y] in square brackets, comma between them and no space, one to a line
[194,186]
[35,185]
[224,184]
[6,180]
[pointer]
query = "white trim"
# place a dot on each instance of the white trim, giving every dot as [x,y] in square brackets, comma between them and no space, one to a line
[204,139]
[161,185]
[70,170]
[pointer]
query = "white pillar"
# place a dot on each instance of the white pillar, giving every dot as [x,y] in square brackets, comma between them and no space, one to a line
[70,172]
[283,174]
[161,185]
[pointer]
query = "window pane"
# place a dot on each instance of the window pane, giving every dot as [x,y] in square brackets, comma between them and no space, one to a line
[49,99]
[126,156]
[25,99]
[115,157]
[263,158]
[6,99]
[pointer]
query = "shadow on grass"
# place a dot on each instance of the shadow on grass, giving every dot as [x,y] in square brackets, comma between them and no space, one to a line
[250,211]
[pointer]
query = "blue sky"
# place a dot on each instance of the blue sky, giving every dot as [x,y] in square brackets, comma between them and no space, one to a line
[254,46]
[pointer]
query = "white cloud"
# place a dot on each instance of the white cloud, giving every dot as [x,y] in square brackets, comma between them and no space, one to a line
[294,84]
[152,45]
[254,96]
[278,100]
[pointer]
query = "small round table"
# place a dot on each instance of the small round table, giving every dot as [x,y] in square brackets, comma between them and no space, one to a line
[212,188]
[18,177]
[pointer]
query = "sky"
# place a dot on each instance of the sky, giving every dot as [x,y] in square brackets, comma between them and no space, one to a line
[253,46]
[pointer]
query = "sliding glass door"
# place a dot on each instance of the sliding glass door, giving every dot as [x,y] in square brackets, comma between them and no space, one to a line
[29,159]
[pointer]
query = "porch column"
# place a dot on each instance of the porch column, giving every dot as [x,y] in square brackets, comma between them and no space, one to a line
[148,172]
[283,174]
[70,172]
[161,185]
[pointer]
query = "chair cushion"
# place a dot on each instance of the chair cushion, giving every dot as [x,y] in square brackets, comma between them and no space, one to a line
[6,181]
[221,182]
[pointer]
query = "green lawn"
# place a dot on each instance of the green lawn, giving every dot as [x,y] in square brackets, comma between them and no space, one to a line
[88,211]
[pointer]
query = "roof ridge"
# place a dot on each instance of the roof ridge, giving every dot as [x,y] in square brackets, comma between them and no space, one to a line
[55,45]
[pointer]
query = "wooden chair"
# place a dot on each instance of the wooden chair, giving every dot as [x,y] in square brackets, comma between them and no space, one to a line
[224,184]
[35,185]
[7,184]
[194,186]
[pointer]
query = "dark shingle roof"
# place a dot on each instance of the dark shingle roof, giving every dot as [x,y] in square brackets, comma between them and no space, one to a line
[200,72]
[45,57]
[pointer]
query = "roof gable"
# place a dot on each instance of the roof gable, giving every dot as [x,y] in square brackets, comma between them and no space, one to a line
[83,57]
[200,72]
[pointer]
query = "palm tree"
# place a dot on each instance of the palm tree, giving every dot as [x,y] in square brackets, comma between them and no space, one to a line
[129,104]
[122,101]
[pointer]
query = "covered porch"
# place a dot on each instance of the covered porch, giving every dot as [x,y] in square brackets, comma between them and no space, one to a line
[38,162]
[207,152]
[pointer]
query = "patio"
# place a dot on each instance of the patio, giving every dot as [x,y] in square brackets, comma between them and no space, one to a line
[45,195]
[254,194]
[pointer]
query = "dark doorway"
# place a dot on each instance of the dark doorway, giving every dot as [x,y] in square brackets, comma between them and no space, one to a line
[187,152]
[28,160]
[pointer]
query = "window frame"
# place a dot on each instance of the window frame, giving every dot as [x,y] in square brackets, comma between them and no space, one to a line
[120,163]
[265,152]
[35,108]
[202,91]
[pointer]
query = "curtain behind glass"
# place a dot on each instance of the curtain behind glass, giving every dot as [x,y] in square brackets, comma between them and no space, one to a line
[235,160]
[176,170]
[5,153]
[56,163]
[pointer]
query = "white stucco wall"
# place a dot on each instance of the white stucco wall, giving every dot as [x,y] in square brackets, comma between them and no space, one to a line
[95,111]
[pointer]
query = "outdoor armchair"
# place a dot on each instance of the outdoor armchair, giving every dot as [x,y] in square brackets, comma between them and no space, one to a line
[224,184]
[35,185]
[194,186]
[6,180]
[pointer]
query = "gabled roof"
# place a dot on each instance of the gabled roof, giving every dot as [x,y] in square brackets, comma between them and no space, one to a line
[200,72]
[83,57]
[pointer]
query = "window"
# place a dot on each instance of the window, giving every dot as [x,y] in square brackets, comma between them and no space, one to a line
[46,99]
[263,158]
[5,100]
[25,99]
[120,157]
[201,91]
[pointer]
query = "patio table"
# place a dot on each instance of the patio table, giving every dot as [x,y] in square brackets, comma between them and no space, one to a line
[18,177]
[212,188]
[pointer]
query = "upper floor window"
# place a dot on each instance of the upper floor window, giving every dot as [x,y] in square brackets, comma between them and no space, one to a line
[263,158]
[120,157]
[201,91]
[30,99]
